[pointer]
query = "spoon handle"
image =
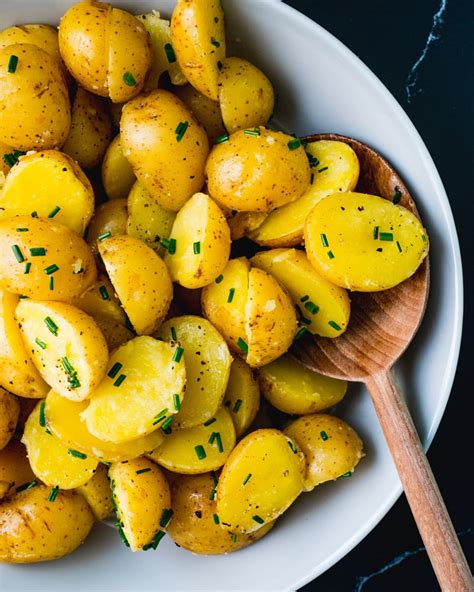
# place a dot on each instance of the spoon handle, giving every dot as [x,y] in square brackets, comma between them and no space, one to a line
[421,489]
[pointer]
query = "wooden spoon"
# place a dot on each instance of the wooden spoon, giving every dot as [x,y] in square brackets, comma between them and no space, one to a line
[382,326]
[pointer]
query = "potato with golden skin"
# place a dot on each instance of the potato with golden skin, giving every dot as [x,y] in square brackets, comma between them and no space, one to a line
[115,333]
[207,112]
[34,102]
[51,184]
[142,499]
[101,302]
[9,413]
[198,37]
[98,494]
[4,167]
[257,172]
[242,396]
[15,468]
[117,173]
[194,525]
[331,447]
[166,146]
[34,529]
[45,245]
[110,217]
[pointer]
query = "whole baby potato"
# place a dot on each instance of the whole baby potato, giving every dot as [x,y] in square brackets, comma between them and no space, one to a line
[34,102]
[166,147]
[15,468]
[257,172]
[43,36]
[9,413]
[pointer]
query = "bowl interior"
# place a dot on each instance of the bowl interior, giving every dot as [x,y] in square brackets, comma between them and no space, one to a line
[321,87]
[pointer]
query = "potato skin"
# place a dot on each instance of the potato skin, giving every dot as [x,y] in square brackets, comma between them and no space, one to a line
[110,216]
[98,494]
[193,526]
[242,396]
[35,95]
[331,447]
[33,529]
[171,169]
[207,112]
[117,173]
[43,36]
[15,469]
[9,413]
[257,173]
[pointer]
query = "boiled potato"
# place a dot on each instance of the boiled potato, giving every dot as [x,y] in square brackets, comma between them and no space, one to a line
[137,395]
[202,243]
[115,333]
[5,152]
[294,389]
[9,413]
[261,478]
[33,91]
[36,529]
[147,220]
[51,184]
[335,167]
[110,217]
[141,280]
[98,494]
[15,469]
[257,171]
[208,363]
[52,461]
[163,57]
[331,447]
[198,37]
[64,418]
[324,308]
[246,96]
[243,223]
[100,302]
[242,396]
[142,501]
[18,374]
[364,242]
[43,259]
[166,147]
[206,111]
[196,525]
[199,449]
[91,129]
[66,345]
[117,173]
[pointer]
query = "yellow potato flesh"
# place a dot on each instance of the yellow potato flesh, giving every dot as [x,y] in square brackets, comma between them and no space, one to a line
[101,302]
[9,413]
[110,216]
[363,242]
[52,461]
[63,418]
[337,170]
[294,389]
[15,469]
[208,363]
[117,173]
[142,496]
[190,451]
[98,494]
[18,374]
[324,308]
[49,183]
[276,470]
[67,347]
[202,238]
[115,333]
[242,396]
[143,375]
[62,248]
[331,447]
[207,112]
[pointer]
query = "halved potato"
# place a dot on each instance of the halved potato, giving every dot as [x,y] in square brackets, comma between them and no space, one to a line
[364,242]
[199,449]
[142,501]
[9,413]
[141,280]
[260,480]
[243,223]
[201,237]
[117,173]
[52,461]
[98,494]
[116,334]
[334,168]
[100,301]
[110,217]
[137,395]
[242,396]
[15,469]
[208,363]
[67,347]
[206,111]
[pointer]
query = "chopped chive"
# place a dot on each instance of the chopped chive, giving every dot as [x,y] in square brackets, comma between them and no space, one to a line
[294,144]
[103,292]
[334,325]
[376,232]
[222,139]
[220,446]
[237,406]
[141,471]
[155,541]
[311,307]
[77,454]
[51,282]
[324,436]
[41,344]
[234,538]
[200,452]
[104,235]
[166,424]
[323,169]
[174,337]
[42,415]
[292,446]
[299,334]
[12,158]
[172,246]
[304,298]
[348,474]
[181,130]
[399,247]
[165,243]
[169,51]
[22,229]
[313,161]
[423,238]
[209,422]
[214,477]
[214,42]
[258,519]
[53,494]
[397,196]
[51,325]
[230,297]
[54,211]
[34,214]
[197,247]
[386,236]
[38,252]
[219,279]
[305,321]
[51,269]
[166,517]
[331,255]
[112,373]
[252,132]
[247,479]
[67,365]
[129,79]
[178,354]
[120,379]
[176,402]
[27,268]
[212,437]
[212,495]
[243,345]
[324,240]
[161,415]
[216,519]
[12,64]
[18,254]
[119,528]
[26,486]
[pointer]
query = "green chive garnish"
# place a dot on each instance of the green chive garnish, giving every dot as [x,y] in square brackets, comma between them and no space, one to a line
[176,402]
[216,519]
[348,474]
[212,437]
[243,345]
[51,269]
[34,214]
[103,292]
[174,337]
[292,446]
[181,130]
[156,541]
[258,519]
[54,211]
[112,373]
[376,232]
[423,238]
[38,252]
[104,235]
[77,454]
[323,435]
[230,297]
[219,279]
[220,447]
[234,538]
[294,144]
[129,79]
[178,354]
[212,495]
[12,158]
[209,421]
[386,236]
[237,406]
[311,307]
[27,486]
[331,255]
[201,453]
[18,254]
[119,528]
[299,334]
[51,325]
[141,471]
[53,494]
[323,169]
[22,229]
[27,268]
[334,325]
[197,247]
[311,179]
[51,283]
[247,479]
[42,415]
[12,64]
[166,424]
[166,517]
[252,132]
[222,139]
[397,196]
[304,298]
[324,240]
[172,246]
[170,55]
[41,344]
[120,379]
[161,415]
[399,247]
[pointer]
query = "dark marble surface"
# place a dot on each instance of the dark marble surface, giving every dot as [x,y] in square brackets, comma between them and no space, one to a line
[423,51]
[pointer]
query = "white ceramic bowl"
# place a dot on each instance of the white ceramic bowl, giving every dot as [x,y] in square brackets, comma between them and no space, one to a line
[322,87]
